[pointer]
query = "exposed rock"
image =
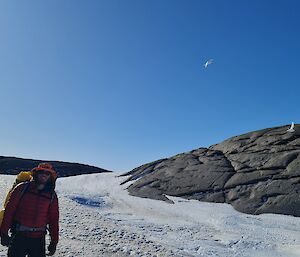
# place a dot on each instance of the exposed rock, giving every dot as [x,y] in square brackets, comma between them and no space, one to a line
[258,172]
[13,165]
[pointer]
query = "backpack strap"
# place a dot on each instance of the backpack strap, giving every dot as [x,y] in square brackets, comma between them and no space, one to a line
[53,195]
[24,190]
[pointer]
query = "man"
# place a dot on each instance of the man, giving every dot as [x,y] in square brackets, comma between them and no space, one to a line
[31,207]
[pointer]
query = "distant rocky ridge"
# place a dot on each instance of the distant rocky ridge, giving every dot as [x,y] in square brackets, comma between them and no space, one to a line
[257,172]
[13,165]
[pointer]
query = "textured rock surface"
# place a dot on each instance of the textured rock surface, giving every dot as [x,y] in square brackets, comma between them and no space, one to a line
[258,172]
[13,165]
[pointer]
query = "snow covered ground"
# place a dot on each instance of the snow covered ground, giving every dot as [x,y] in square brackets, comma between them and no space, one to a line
[99,218]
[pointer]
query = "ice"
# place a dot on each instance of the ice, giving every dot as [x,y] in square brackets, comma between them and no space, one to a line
[99,218]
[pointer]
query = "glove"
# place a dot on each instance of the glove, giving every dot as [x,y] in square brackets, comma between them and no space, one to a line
[51,249]
[5,240]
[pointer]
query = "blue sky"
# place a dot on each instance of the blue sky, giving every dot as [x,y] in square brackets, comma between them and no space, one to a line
[117,84]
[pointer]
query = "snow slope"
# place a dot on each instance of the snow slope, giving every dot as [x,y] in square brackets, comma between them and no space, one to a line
[99,218]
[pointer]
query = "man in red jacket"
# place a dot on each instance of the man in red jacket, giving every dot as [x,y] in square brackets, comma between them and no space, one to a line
[32,207]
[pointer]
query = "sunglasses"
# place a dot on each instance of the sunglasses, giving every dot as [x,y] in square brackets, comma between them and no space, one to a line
[44,172]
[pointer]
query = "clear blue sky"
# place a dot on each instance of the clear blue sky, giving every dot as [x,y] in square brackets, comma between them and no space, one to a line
[117,84]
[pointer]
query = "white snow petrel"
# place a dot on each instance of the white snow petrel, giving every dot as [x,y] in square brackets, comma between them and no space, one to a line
[210,61]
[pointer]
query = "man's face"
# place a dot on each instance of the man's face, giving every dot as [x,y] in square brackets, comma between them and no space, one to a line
[43,177]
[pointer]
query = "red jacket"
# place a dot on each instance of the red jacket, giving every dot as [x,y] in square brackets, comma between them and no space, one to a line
[33,210]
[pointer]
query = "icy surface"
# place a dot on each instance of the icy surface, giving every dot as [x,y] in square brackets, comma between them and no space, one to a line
[99,218]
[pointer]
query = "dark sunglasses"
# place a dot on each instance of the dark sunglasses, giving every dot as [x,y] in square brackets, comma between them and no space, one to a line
[44,172]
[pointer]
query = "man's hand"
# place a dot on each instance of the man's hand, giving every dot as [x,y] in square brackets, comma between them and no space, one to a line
[5,240]
[51,249]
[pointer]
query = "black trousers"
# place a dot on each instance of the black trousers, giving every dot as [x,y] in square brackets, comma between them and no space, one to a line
[22,246]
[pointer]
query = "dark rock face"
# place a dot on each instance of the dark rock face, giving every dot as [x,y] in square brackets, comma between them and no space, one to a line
[13,165]
[258,172]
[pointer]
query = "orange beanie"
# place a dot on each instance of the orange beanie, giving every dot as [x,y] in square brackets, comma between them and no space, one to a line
[47,167]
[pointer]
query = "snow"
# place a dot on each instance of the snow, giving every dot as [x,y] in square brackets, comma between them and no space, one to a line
[99,218]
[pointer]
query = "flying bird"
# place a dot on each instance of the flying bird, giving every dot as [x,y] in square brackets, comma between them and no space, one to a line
[291,129]
[210,61]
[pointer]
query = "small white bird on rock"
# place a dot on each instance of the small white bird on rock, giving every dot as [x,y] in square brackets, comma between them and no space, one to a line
[210,61]
[291,129]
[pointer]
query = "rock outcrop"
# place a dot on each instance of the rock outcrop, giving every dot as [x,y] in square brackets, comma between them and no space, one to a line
[13,165]
[258,172]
